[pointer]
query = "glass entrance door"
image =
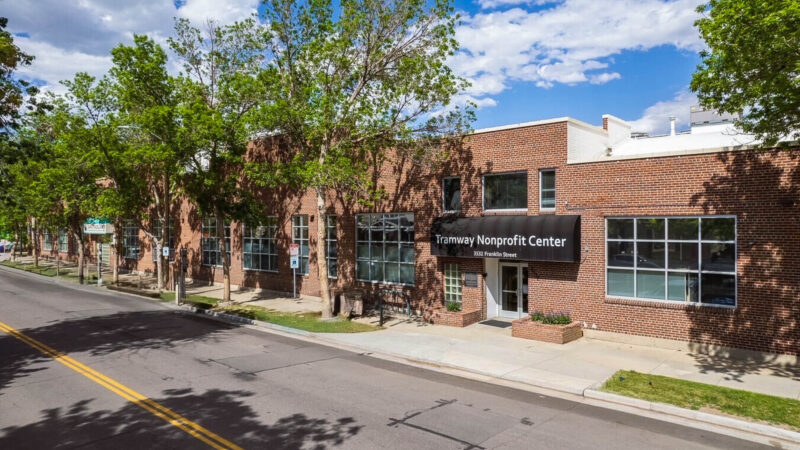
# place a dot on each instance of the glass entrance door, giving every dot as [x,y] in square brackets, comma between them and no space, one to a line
[513,290]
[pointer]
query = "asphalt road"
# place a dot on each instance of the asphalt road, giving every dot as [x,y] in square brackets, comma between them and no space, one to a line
[257,390]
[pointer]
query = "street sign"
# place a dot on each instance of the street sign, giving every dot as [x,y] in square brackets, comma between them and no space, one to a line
[294,249]
[294,262]
[98,228]
[165,252]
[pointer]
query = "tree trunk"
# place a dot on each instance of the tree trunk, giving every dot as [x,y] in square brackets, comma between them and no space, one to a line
[322,261]
[35,241]
[14,249]
[81,254]
[157,243]
[114,256]
[226,263]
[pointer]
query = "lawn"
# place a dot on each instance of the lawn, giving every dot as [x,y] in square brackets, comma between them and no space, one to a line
[303,321]
[48,271]
[692,395]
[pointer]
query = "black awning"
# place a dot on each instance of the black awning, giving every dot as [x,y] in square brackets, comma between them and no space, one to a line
[524,238]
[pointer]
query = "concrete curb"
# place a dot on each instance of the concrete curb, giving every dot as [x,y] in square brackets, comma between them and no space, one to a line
[714,419]
[757,432]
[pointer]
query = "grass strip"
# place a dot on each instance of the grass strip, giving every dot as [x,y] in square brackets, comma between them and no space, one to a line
[303,321]
[196,300]
[693,395]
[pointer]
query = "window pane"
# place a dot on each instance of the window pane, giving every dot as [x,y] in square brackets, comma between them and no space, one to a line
[548,179]
[620,282]
[718,229]
[376,271]
[650,228]
[719,289]
[392,253]
[620,228]
[363,251]
[682,286]
[452,194]
[719,257]
[620,254]
[407,253]
[407,273]
[683,229]
[650,284]
[362,270]
[392,273]
[682,255]
[507,191]
[651,255]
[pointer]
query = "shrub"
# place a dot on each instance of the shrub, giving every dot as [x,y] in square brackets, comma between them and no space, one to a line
[453,306]
[553,318]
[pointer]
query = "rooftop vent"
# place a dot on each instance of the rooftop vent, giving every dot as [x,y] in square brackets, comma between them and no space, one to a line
[700,116]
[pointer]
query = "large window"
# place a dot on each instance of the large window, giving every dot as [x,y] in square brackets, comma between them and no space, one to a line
[451,194]
[452,283]
[505,191]
[547,189]
[259,246]
[687,259]
[385,248]
[331,243]
[130,240]
[63,241]
[300,237]
[212,256]
[47,241]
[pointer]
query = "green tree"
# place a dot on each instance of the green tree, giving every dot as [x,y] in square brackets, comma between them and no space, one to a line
[12,89]
[146,172]
[219,96]
[352,85]
[752,64]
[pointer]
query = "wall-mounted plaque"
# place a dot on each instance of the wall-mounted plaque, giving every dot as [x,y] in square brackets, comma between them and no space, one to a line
[470,279]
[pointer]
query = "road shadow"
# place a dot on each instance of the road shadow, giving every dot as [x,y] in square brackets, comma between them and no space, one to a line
[100,335]
[767,313]
[223,412]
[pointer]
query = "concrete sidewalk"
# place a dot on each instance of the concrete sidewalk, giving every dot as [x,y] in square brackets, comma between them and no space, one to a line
[574,367]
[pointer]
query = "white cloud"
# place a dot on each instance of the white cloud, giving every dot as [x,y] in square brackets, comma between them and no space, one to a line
[489,4]
[53,64]
[655,119]
[569,42]
[68,37]
[228,11]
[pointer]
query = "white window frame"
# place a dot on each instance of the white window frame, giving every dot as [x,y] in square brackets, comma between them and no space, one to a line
[483,191]
[62,233]
[458,289]
[126,241]
[700,241]
[272,227]
[541,191]
[444,192]
[332,242]
[47,240]
[299,240]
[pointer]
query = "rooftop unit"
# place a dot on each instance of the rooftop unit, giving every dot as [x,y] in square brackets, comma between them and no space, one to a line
[700,116]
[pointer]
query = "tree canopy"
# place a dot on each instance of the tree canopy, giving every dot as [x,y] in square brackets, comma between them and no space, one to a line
[752,64]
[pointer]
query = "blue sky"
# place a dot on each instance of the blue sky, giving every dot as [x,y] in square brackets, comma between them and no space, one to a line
[527,59]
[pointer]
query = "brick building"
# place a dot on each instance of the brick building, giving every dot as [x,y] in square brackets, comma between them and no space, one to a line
[690,237]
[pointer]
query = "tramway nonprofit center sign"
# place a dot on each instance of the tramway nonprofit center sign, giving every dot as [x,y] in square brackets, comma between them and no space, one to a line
[524,238]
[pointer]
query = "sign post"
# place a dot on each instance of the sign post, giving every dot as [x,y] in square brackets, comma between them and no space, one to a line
[99,264]
[294,263]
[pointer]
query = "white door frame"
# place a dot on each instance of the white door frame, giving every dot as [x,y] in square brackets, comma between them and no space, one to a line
[519,291]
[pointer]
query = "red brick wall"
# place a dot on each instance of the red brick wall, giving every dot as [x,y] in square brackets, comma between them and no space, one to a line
[759,187]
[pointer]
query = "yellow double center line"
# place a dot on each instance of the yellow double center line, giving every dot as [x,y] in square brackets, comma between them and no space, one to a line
[127,393]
